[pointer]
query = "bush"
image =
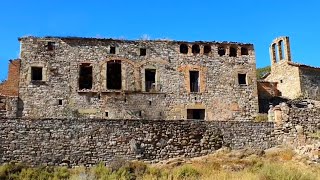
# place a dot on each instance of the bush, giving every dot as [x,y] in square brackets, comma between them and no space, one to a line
[187,172]
[11,171]
[118,163]
[36,173]
[61,173]
[281,172]
[101,171]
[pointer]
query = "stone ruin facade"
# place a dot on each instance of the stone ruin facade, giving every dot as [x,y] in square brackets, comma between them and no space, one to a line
[293,80]
[62,77]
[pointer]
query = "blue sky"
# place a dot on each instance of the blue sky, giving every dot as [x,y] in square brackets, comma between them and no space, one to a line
[251,21]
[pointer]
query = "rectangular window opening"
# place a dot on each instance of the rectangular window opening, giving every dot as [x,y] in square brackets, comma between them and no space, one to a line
[114,75]
[194,81]
[143,51]
[112,50]
[106,114]
[196,114]
[50,46]
[85,78]
[36,73]
[60,102]
[150,79]
[242,79]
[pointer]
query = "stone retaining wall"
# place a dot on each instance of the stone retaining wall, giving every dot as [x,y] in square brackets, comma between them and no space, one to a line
[88,141]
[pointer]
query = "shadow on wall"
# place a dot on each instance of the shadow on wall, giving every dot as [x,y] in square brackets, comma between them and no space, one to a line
[20,107]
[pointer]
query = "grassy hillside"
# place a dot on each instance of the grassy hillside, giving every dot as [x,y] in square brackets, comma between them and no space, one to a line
[246,164]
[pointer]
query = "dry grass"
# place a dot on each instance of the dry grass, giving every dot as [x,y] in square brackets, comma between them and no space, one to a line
[279,164]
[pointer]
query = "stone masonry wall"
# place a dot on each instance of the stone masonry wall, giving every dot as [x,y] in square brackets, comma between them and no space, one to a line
[287,78]
[89,141]
[310,82]
[298,127]
[220,94]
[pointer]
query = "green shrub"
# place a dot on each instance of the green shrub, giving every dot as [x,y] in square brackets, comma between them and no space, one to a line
[61,173]
[11,171]
[187,172]
[101,171]
[263,71]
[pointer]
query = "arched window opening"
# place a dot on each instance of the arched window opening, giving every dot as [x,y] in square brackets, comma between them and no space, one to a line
[244,51]
[233,52]
[207,49]
[221,51]
[195,49]
[183,48]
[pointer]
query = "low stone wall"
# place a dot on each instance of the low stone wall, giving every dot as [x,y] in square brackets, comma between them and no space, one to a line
[88,141]
[298,126]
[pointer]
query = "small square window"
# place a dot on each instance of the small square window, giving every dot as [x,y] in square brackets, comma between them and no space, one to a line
[60,102]
[50,46]
[36,73]
[242,79]
[281,81]
[112,50]
[143,51]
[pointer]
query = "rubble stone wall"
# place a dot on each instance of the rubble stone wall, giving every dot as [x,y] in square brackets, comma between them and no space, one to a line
[220,93]
[89,141]
[310,82]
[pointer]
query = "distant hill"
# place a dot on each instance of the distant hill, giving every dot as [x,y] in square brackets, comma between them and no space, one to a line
[263,71]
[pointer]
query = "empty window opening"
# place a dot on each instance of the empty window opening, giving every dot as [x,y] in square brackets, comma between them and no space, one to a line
[106,114]
[244,51]
[221,51]
[281,50]
[143,51]
[242,79]
[60,102]
[195,49]
[150,79]
[85,78]
[114,75]
[233,52]
[140,113]
[196,114]
[281,81]
[36,73]
[276,47]
[50,46]
[194,81]
[112,50]
[160,113]
[206,49]
[183,48]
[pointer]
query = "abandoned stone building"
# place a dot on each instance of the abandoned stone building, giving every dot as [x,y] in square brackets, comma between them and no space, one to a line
[288,79]
[59,77]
